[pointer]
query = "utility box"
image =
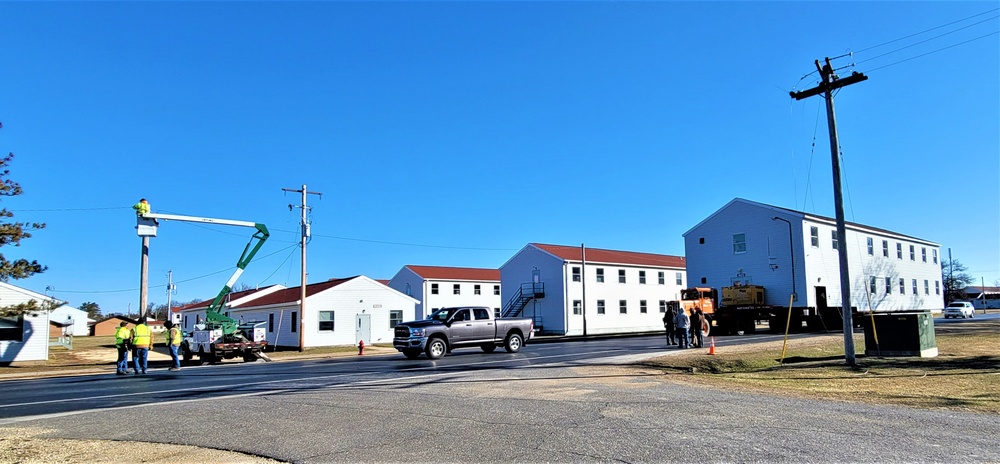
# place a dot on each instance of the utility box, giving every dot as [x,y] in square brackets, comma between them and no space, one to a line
[899,334]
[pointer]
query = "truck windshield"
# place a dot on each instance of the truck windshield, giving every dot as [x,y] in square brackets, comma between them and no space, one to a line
[440,315]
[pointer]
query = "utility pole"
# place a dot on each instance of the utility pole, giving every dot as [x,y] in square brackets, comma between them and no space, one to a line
[144,277]
[583,280]
[171,287]
[830,83]
[305,236]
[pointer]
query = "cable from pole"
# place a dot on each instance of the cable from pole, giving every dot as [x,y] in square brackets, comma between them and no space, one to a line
[934,51]
[290,253]
[927,30]
[930,39]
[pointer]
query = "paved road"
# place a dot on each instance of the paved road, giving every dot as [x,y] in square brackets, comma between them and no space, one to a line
[551,402]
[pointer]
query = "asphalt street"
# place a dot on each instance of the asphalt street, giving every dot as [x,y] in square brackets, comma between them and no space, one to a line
[564,401]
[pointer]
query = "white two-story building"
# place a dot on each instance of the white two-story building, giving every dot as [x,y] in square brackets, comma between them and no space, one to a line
[575,290]
[790,252]
[444,287]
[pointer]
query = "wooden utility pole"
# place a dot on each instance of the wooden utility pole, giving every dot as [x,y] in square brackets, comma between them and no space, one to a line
[144,278]
[830,83]
[305,237]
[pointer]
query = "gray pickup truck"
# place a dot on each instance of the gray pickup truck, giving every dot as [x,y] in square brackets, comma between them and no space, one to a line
[450,328]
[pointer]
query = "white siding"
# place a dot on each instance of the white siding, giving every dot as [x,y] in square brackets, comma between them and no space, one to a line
[712,261]
[409,283]
[66,313]
[347,300]
[421,289]
[34,342]
[554,313]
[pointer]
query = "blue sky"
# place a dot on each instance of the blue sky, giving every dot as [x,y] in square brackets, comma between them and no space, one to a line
[454,133]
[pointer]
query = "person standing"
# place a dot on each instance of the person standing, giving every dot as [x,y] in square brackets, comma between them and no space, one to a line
[123,338]
[696,318]
[142,340]
[668,324]
[173,344]
[682,322]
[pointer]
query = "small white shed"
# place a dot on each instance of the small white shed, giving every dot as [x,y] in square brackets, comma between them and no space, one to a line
[25,337]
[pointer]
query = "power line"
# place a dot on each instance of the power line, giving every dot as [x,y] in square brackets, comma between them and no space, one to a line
[68,209]
[930,39]
[934,51]
[414,244]
[928,30]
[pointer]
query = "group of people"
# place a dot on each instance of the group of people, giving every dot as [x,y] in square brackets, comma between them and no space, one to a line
[683,330]
[139,340]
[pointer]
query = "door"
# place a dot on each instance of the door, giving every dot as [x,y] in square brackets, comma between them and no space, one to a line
[483,326]
[461,329]
[363,329]
[821,300]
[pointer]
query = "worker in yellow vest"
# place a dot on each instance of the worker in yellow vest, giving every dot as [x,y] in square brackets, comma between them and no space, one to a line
[173,344]
[142,341]
[123,338]
[142,207]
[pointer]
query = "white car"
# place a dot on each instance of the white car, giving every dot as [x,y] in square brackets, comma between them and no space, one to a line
[961,309]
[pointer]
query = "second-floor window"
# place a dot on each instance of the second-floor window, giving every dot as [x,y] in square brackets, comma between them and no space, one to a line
[899,251]
[642,277]
[923,254]
[434,289]
[885,248]
[621,276]
[457,289]
[600,274]
[739,243]
[814,236]
[496,289]
[871,246]
[934,254]
[913,253]
[834,240]
[576,274]
[476,290]
[679,278]
[661,277]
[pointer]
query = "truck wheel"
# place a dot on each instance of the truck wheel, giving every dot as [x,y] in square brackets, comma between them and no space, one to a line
[513,343]
[411,354]
[488,347]
[436,348]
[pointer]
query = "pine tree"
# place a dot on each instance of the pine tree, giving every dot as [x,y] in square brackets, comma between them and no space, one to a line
[11,233]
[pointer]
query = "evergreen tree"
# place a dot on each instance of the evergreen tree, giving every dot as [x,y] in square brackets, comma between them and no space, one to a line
[93,309]
[11,233]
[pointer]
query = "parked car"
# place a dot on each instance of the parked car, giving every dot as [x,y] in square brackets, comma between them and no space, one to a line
[961,309]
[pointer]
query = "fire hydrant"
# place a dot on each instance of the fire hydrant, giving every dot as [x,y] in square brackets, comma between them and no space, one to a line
[361,347]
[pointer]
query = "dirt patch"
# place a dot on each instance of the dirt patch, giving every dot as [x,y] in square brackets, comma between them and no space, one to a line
[29,446]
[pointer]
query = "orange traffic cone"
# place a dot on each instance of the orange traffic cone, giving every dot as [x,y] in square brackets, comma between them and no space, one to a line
[711,346]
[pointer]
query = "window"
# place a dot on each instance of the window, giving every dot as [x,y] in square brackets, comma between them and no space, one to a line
[937,287]
[295,322]
[833,240]
[481,314]
[476,290]
[913,254]
[923,254]
[927,287]
[701,240]
[496,289]
[663,306]
[270,323]
[600,306]
[642,306]
[871,247]
[457,289]
[888,285]
[395,317]
[871,284]
[899,251]
[885,248]
[12,328]
[576,274]
[814,236]
[434,289]
[622,306]
[661,278]
[914,286]
[577,307]
[409,292]
[600,274]
[621,276]
[642,277]
[326,320]
[902,286]
[739,243]
[934,255]
[679,278]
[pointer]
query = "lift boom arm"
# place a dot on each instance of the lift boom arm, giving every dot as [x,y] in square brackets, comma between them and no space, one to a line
[214,319]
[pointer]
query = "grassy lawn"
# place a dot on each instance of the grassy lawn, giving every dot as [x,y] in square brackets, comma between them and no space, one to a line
[964,376]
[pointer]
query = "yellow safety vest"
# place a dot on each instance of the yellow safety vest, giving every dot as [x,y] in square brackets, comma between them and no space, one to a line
[141,208]
[122,334]
[142,337]
[175,336]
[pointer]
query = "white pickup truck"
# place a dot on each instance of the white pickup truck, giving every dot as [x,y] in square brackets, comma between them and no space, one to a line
[450,328]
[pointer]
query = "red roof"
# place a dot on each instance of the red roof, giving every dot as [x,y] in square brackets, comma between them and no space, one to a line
[289,295]
[204,304]
[597,255]
[456,273]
